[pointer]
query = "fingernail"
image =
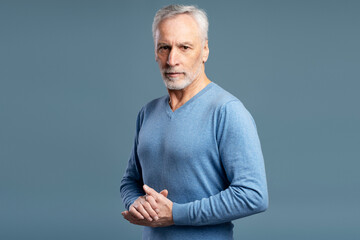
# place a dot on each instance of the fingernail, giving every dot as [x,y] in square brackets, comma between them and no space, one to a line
[156,218]
[150,219]
[145,186]
[157,210]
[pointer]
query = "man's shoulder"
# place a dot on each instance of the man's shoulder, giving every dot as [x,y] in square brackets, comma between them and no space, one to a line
[221,97]
[154,104]
[231,108]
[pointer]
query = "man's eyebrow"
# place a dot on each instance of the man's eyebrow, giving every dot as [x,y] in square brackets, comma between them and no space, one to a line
[178,44]
[186,43]
[162,44]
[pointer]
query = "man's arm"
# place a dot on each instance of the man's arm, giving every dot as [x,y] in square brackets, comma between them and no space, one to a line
[131,184]
[241,156]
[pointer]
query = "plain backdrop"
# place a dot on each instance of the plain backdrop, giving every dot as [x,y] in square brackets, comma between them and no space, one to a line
[74,74]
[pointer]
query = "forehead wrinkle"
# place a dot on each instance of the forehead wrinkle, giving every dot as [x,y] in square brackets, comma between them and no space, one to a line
[177,40]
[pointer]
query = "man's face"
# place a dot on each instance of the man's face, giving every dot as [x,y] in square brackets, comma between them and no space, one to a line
[180,51]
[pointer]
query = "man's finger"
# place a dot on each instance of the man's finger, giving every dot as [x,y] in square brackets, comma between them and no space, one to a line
[164,193]
[133,220]
[135,213]
[150,211]
[151,192]
[140,208]
[152,202]
[130,218]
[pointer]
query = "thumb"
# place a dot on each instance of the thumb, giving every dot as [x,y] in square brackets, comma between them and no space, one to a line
[164,193]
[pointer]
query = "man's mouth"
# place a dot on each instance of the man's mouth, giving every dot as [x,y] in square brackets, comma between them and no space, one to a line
[173,74]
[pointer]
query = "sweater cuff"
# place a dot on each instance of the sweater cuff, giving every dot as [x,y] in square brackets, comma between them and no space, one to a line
[180,214]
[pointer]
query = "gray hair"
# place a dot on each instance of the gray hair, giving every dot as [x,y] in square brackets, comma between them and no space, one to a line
[172,10]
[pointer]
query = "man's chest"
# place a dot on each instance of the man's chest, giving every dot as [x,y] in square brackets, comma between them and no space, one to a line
[175,138]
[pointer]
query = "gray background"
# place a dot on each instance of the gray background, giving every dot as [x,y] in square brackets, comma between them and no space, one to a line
[74,74]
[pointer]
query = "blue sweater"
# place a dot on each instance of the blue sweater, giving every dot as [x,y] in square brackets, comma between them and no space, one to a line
[208,156]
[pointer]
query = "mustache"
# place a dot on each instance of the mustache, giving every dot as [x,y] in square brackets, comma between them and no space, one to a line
[172,70]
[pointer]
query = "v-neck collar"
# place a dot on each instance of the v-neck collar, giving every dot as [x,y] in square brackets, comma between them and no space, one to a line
[171,113]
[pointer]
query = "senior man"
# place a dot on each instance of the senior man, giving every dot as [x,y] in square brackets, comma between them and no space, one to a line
[196,162]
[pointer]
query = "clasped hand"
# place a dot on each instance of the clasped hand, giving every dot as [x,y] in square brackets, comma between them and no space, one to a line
[153,210]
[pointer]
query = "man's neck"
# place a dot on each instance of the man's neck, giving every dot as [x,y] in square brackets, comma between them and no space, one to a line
[180,97]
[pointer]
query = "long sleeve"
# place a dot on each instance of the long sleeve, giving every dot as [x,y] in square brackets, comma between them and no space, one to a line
[132,182]
[242,159]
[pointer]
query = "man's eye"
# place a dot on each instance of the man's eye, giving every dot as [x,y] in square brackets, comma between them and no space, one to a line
[164,48]
[185,47]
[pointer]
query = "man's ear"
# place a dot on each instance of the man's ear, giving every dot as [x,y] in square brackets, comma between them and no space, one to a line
[156,56]
[206,51]
[155,50]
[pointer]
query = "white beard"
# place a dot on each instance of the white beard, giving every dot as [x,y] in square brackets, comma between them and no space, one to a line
[173,84]
[176,84]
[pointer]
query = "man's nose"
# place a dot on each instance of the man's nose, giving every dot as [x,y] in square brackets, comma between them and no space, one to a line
[172,58]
